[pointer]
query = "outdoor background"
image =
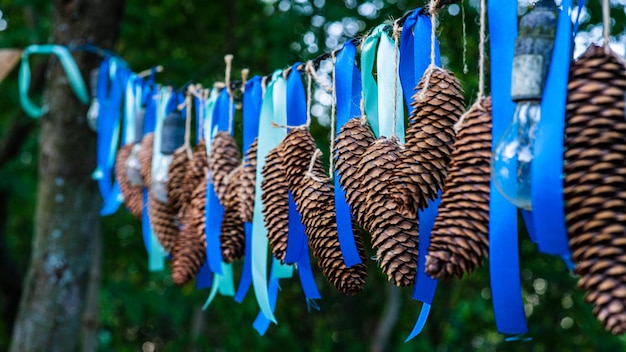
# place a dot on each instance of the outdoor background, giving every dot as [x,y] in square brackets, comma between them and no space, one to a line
[142,310]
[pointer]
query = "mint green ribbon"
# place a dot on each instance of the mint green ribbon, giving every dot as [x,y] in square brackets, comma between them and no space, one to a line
[269,138]
[389,89]
[370,90]
[157,252]
[71,70]
[223,284]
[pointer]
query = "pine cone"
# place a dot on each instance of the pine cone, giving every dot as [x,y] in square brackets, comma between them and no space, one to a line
[429,139]
[195,172]
[176,176]
[275,198]
[595,182]
[393,229]
[190,250]
[145,159]
[460,239]
[315,201]
[224,158]
[248,184]
[232,238]
[351,143]
[163,221]
[133,194]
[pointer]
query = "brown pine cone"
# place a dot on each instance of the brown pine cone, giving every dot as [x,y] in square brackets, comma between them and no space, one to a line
[133,194]
[232,238]
[176,175]
[145,159]
[352,141]
[248,184]
[393,229]
[190,250]
[195,172]
[595,182]
[163,221]
[275,198]
[224,158]
[460,236]
[429,139]
[314,198]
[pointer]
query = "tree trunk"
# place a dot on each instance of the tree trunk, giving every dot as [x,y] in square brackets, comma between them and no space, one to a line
[68,203]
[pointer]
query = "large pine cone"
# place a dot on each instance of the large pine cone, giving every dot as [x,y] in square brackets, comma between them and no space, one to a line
[351,143]
[145,158]
[133,194]
[175,178]
[195,172]
[163,221]
[275,198]
[460,237]
[190,250]
[393,229]
[315,200]
[232,238]
[429,139]
[595,182]
[248,183]
[223,160]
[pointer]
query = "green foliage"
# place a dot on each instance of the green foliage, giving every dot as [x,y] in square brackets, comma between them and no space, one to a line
[138,308]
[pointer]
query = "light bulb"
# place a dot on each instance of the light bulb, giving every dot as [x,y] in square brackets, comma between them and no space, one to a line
[159,180]
[133,166]
[512,159]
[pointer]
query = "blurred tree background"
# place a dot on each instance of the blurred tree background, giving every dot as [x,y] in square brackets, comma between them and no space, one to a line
[139,310]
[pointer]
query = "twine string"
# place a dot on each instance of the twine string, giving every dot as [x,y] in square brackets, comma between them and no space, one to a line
[310,173]
[333,113]
[481,52]
[464,26]
[606,25]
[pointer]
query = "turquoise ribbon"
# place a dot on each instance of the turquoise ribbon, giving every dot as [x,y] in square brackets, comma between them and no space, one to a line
[506,291]
[71,70]
[370,90]
[222,283]
[269,138]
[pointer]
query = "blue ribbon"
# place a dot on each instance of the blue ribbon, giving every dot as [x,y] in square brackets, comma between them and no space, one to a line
[503,248]
[252,99]
[112,80]
[547,166]
[296,116]
[415,48]
[348,91]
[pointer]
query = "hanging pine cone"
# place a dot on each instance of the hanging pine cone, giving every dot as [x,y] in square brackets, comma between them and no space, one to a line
[145,159]
[275,198]
[460,239]
[314,198]
[429,139]
[195,172]
[595,182]
[393,229]
[224,158]
[352,141]
[248,184]
[163,221]
[232,238]
[133,194]
[190,250]
[175,177]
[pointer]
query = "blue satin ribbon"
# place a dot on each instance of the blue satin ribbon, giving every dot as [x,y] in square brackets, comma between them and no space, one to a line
[547,165]
[252,99]
[348,91]
[112,79]
[296,116]
[148,126]
[503,247]
[580,5]
[415,48]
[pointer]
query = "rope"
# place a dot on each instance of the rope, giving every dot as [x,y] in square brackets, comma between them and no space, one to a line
[244,79]
[309,90]
[231,115]
[481,52]
[310,174]
[396,63]
[188,123]
[311,70]
[333,112]
[464,26]
[432,7]
[606,25]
